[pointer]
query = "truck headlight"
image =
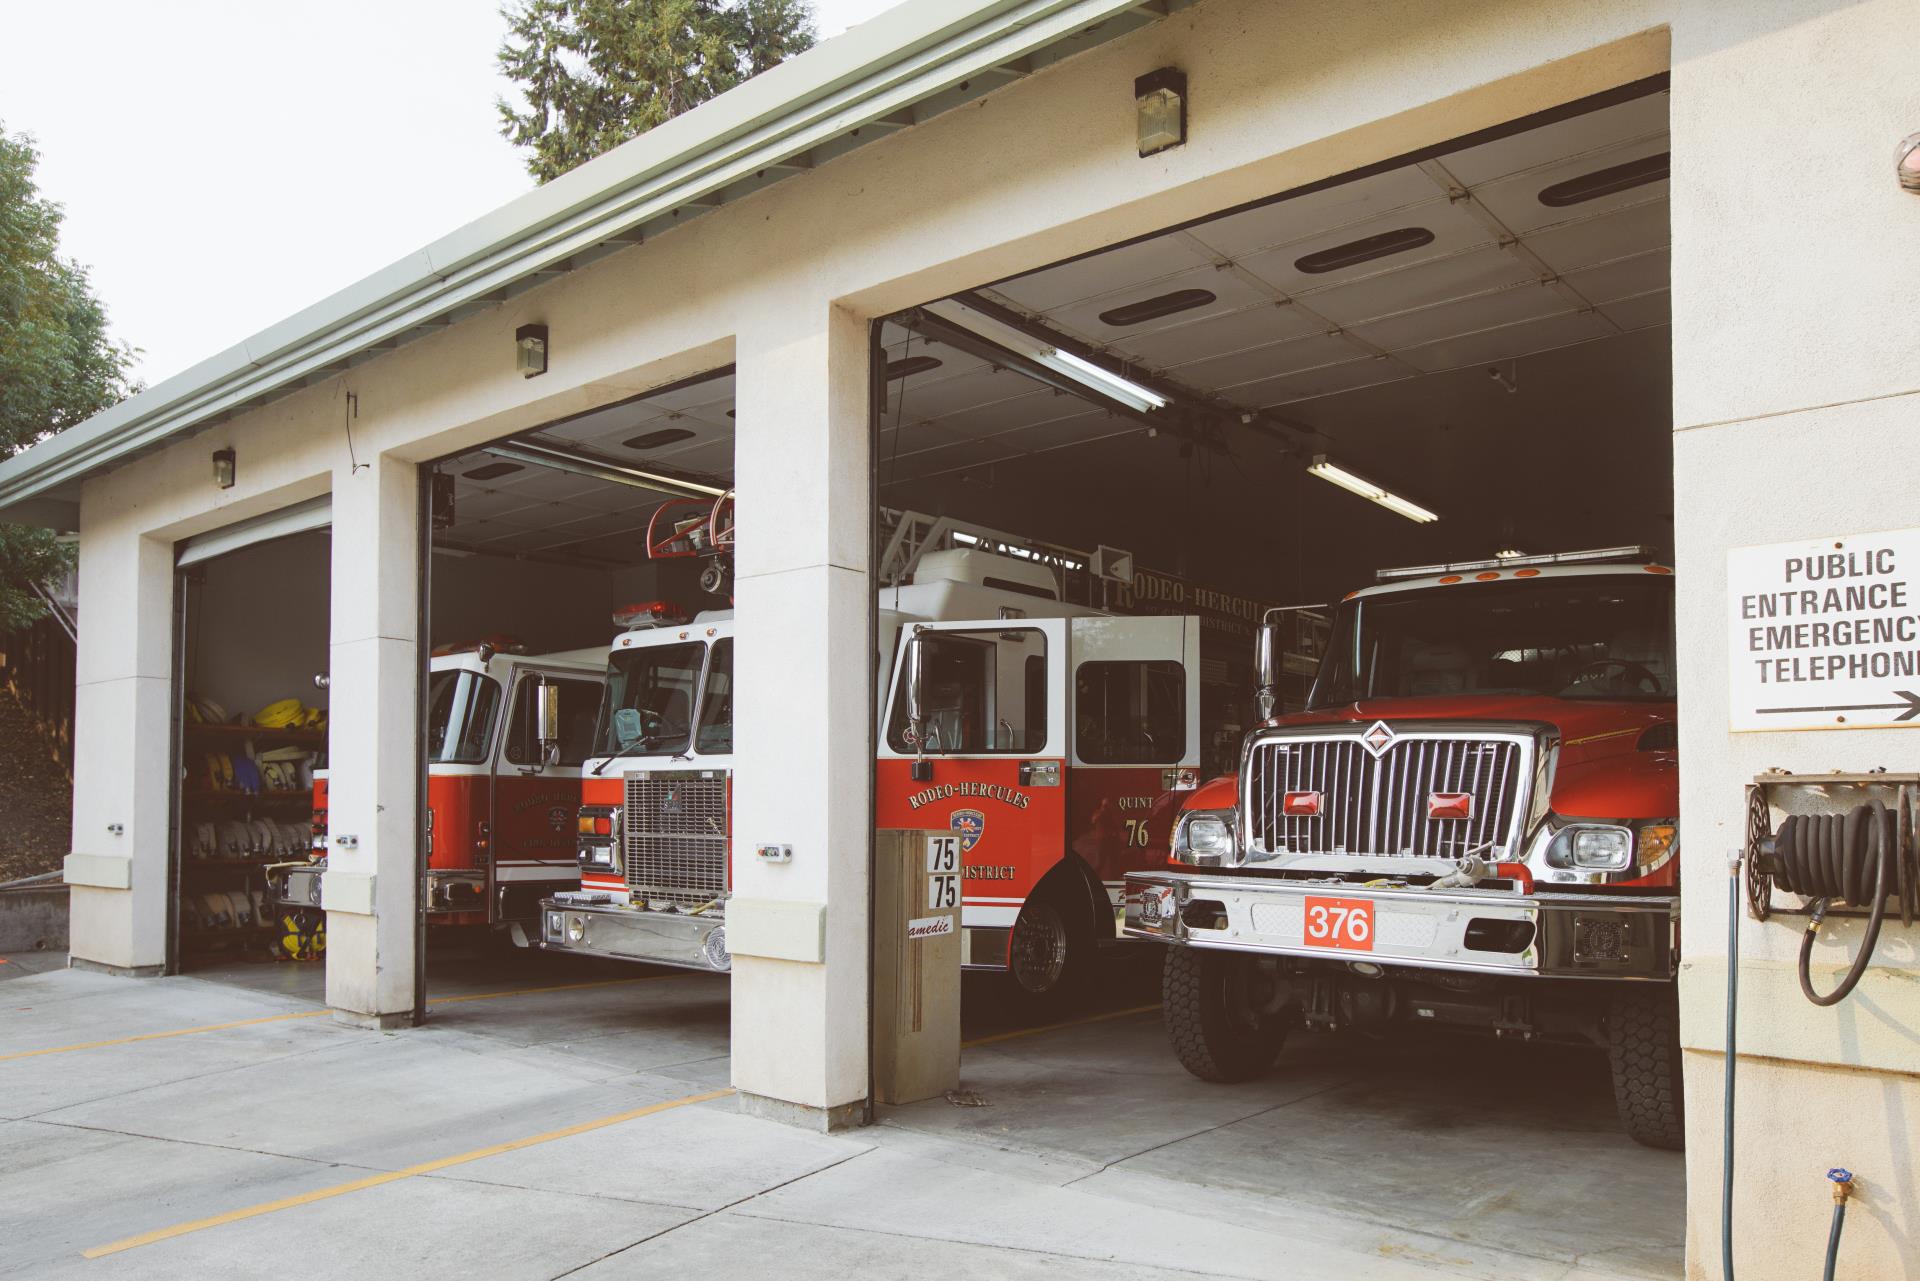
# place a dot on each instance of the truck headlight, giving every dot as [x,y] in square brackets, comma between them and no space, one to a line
[1204,839]
[1592,848]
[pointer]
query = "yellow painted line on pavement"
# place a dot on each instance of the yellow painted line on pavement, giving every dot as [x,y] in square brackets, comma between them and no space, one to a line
[392,1176]
[1055,1027]
[161,1036]
[315,1014]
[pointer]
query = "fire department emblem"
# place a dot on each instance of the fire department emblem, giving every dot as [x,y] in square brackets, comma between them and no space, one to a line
[971,825]
[557,818]
[1378,738]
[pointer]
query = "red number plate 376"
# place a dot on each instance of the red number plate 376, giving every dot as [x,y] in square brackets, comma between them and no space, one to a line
[1339,922]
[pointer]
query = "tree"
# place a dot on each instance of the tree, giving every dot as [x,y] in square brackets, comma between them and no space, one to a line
[595,73]
[58,367]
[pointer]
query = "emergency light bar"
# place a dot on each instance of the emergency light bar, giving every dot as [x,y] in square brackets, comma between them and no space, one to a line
[1595,556]
[1326,469]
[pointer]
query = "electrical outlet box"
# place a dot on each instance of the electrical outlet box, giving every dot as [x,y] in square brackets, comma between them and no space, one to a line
[774,853]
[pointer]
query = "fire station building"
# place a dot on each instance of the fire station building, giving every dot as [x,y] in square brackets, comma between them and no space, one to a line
[1107,274]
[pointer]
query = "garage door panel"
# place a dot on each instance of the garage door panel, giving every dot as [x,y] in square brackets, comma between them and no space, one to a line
[946,396]
[1230,293]
[1638,118]
[1266,362]
[1508,342]
[1624,278]
[1044,406]
[710,391]
[1584,243]
[1442,280]
[1143,263]
[1325,381]
[1642,312]
[1469,315]
[927,461]
[1453,231]
[1077,431]
[1515,201]
[1288,221]
[1257,326]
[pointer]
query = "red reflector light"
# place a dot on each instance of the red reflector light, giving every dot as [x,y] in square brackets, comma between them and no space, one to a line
[1450,805]
[1301,804]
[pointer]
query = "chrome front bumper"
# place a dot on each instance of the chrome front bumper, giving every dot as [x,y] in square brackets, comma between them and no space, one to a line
[630,934]
[1542,935]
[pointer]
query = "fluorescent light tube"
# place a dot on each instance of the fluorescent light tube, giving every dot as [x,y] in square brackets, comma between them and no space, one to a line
[1356,484]
[1094,378]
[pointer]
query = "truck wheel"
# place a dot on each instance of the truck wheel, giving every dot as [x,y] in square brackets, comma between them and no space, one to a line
[1643,1043]
[1047,956]
[1225,1015]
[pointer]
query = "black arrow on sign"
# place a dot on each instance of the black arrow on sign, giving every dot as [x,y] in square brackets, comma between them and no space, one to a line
[1908,708]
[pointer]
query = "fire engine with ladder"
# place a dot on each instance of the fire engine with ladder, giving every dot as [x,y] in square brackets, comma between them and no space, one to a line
[1046,733]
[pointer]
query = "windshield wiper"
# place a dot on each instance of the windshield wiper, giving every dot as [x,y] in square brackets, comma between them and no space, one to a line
[638,747]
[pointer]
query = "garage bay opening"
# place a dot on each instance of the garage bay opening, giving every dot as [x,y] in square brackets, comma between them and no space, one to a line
[1297,651]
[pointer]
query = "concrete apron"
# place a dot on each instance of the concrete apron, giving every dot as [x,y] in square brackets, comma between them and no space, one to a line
[1093,1155]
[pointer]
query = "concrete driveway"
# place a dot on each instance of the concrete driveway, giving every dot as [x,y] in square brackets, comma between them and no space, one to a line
[559,1119]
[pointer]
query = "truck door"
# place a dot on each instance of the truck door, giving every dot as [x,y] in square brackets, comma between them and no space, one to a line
[1135,698]
[536,798]
[990,768]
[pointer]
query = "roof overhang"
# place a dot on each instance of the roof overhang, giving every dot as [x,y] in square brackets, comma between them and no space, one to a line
[901,68]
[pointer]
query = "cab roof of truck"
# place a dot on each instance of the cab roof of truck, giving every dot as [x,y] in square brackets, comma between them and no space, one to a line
[1455,577]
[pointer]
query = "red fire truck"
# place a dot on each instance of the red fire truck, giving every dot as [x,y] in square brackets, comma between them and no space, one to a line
[1473,823]
[506,736]
[1043,733]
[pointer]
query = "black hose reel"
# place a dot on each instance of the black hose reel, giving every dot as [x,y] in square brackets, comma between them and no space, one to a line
[1864,858]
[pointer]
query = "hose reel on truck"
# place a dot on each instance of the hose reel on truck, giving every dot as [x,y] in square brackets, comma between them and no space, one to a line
[1848,846]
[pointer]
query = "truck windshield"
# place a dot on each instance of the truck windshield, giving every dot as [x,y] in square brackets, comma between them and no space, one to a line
[1601,637]
[460,716]
[649,702]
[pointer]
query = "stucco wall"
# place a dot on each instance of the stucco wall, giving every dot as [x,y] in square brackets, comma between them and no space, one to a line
[1791,332]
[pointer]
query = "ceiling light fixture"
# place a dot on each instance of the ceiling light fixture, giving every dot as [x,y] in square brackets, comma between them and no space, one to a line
[1327,470]
[1906,162]
[1095,378]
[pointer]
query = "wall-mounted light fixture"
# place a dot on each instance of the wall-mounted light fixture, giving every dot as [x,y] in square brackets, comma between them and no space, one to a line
[1906,162]
[223,468]
[530,350]
[1325,469]
[1160,109]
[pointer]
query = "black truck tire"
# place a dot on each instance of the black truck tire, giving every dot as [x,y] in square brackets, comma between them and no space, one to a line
[1219,1034]
[1051,954]
[1643,1045]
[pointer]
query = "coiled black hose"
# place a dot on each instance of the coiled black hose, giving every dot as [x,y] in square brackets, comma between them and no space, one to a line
[1829,856]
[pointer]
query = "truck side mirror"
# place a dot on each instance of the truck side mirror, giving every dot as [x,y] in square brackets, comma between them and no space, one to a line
[914,680]
[1268,646]
[546,714]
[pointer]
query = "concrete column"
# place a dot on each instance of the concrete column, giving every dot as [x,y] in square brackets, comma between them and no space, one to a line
[371,887]
[122,739]
[802,731]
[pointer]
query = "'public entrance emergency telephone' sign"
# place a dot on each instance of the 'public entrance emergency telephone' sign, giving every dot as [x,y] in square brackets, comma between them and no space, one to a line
[1826,635]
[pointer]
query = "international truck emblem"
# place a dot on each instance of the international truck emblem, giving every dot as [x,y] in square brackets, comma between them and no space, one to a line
[1378,739]
[971,825]
[671,805]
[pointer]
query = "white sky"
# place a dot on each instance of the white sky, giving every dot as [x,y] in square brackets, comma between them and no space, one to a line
[224,163]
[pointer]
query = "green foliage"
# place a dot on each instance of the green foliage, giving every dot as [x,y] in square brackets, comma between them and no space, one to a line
[58,367]
[595,73]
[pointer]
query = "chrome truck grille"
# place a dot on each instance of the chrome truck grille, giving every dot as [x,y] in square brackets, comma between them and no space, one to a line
[676,838]
[1384,805]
